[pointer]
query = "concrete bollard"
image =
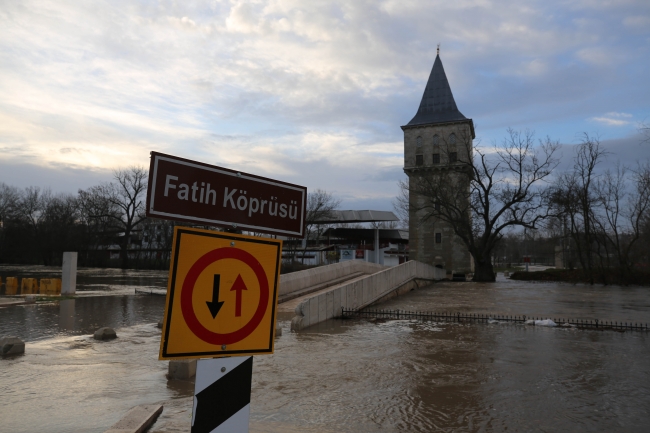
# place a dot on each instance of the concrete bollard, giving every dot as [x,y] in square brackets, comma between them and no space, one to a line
[29,286]
[69,280]
[105,333]
[11,286]
[10,346]
[50,286]
[181,369]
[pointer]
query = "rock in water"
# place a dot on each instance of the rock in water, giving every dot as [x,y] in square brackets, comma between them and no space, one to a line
[105,334]
[10,346]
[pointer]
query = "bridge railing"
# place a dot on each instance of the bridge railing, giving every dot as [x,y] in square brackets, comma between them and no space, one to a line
[487,318]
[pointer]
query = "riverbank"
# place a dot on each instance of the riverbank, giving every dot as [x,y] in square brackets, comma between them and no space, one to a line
[574,276]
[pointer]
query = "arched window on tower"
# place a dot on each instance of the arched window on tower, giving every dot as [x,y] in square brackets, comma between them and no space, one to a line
[452,138]
[436,149]
[418,141]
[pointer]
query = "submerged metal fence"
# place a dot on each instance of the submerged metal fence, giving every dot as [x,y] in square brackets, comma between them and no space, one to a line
[486,318]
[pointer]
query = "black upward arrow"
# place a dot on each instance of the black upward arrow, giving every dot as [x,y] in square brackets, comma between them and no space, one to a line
[215,305]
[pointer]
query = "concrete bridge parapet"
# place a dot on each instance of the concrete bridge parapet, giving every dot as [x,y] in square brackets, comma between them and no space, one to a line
[362,293]
[297,281]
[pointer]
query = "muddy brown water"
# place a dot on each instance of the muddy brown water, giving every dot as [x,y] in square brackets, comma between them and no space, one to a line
[354,375]
[94,280]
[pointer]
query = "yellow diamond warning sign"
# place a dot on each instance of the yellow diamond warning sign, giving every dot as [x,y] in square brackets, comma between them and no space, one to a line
[222,295]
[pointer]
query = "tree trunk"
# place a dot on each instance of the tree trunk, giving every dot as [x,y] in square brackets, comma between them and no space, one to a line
[483,272]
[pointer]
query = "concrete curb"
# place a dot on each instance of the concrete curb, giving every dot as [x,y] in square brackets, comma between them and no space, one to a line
[137,420]
[316,288]
[297,281]
[407,286]
[11,304]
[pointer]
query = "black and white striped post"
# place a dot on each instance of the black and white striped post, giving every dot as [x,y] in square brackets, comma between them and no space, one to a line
[222,395]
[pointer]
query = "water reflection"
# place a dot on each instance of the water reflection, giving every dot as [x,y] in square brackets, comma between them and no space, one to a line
[67,314]
[422,377]
[79,316]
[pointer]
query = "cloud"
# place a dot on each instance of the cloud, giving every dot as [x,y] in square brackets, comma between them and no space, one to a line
[311,92]
[628,151]
[614,119]
[640,22]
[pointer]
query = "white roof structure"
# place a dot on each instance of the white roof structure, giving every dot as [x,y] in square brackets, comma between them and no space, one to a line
[358,216]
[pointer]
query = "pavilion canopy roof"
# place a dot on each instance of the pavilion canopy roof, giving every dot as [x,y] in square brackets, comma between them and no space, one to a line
[358,216]
[394,235]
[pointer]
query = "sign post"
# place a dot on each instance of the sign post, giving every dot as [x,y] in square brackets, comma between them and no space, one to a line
[222,291]
[222,395]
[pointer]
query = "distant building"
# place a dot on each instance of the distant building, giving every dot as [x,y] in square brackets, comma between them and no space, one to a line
[342,244]
[437,137]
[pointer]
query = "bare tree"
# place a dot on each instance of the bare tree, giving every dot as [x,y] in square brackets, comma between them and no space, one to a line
[9,197]
[401,204]
[575,198]
[481,195]
[97,216]
[121,203]
[158,235]
[32,205]
[623,204]
[320,205]
[58,227]
[644,128]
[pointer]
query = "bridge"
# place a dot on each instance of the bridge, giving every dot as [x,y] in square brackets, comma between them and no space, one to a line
[319,294]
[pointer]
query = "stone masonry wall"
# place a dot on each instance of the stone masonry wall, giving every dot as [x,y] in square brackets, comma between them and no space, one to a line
[451,253]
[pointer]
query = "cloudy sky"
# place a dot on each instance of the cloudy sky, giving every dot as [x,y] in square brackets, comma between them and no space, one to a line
[309,92]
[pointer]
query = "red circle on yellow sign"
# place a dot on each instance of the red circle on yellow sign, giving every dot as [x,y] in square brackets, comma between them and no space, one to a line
[188,288]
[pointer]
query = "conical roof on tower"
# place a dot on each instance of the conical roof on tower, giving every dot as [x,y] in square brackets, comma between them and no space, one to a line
[437,105]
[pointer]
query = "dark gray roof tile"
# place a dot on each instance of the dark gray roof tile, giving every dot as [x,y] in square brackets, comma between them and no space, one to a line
[437,105]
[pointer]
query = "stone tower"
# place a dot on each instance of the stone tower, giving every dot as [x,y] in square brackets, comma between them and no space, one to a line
[435,139]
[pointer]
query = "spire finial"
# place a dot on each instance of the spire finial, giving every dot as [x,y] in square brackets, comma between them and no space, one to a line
[438,51]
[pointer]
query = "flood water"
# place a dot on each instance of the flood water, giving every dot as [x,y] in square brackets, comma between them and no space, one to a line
[353,375]
[92,281]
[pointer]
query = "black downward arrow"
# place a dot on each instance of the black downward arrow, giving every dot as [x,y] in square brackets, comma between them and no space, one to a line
[215,305]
